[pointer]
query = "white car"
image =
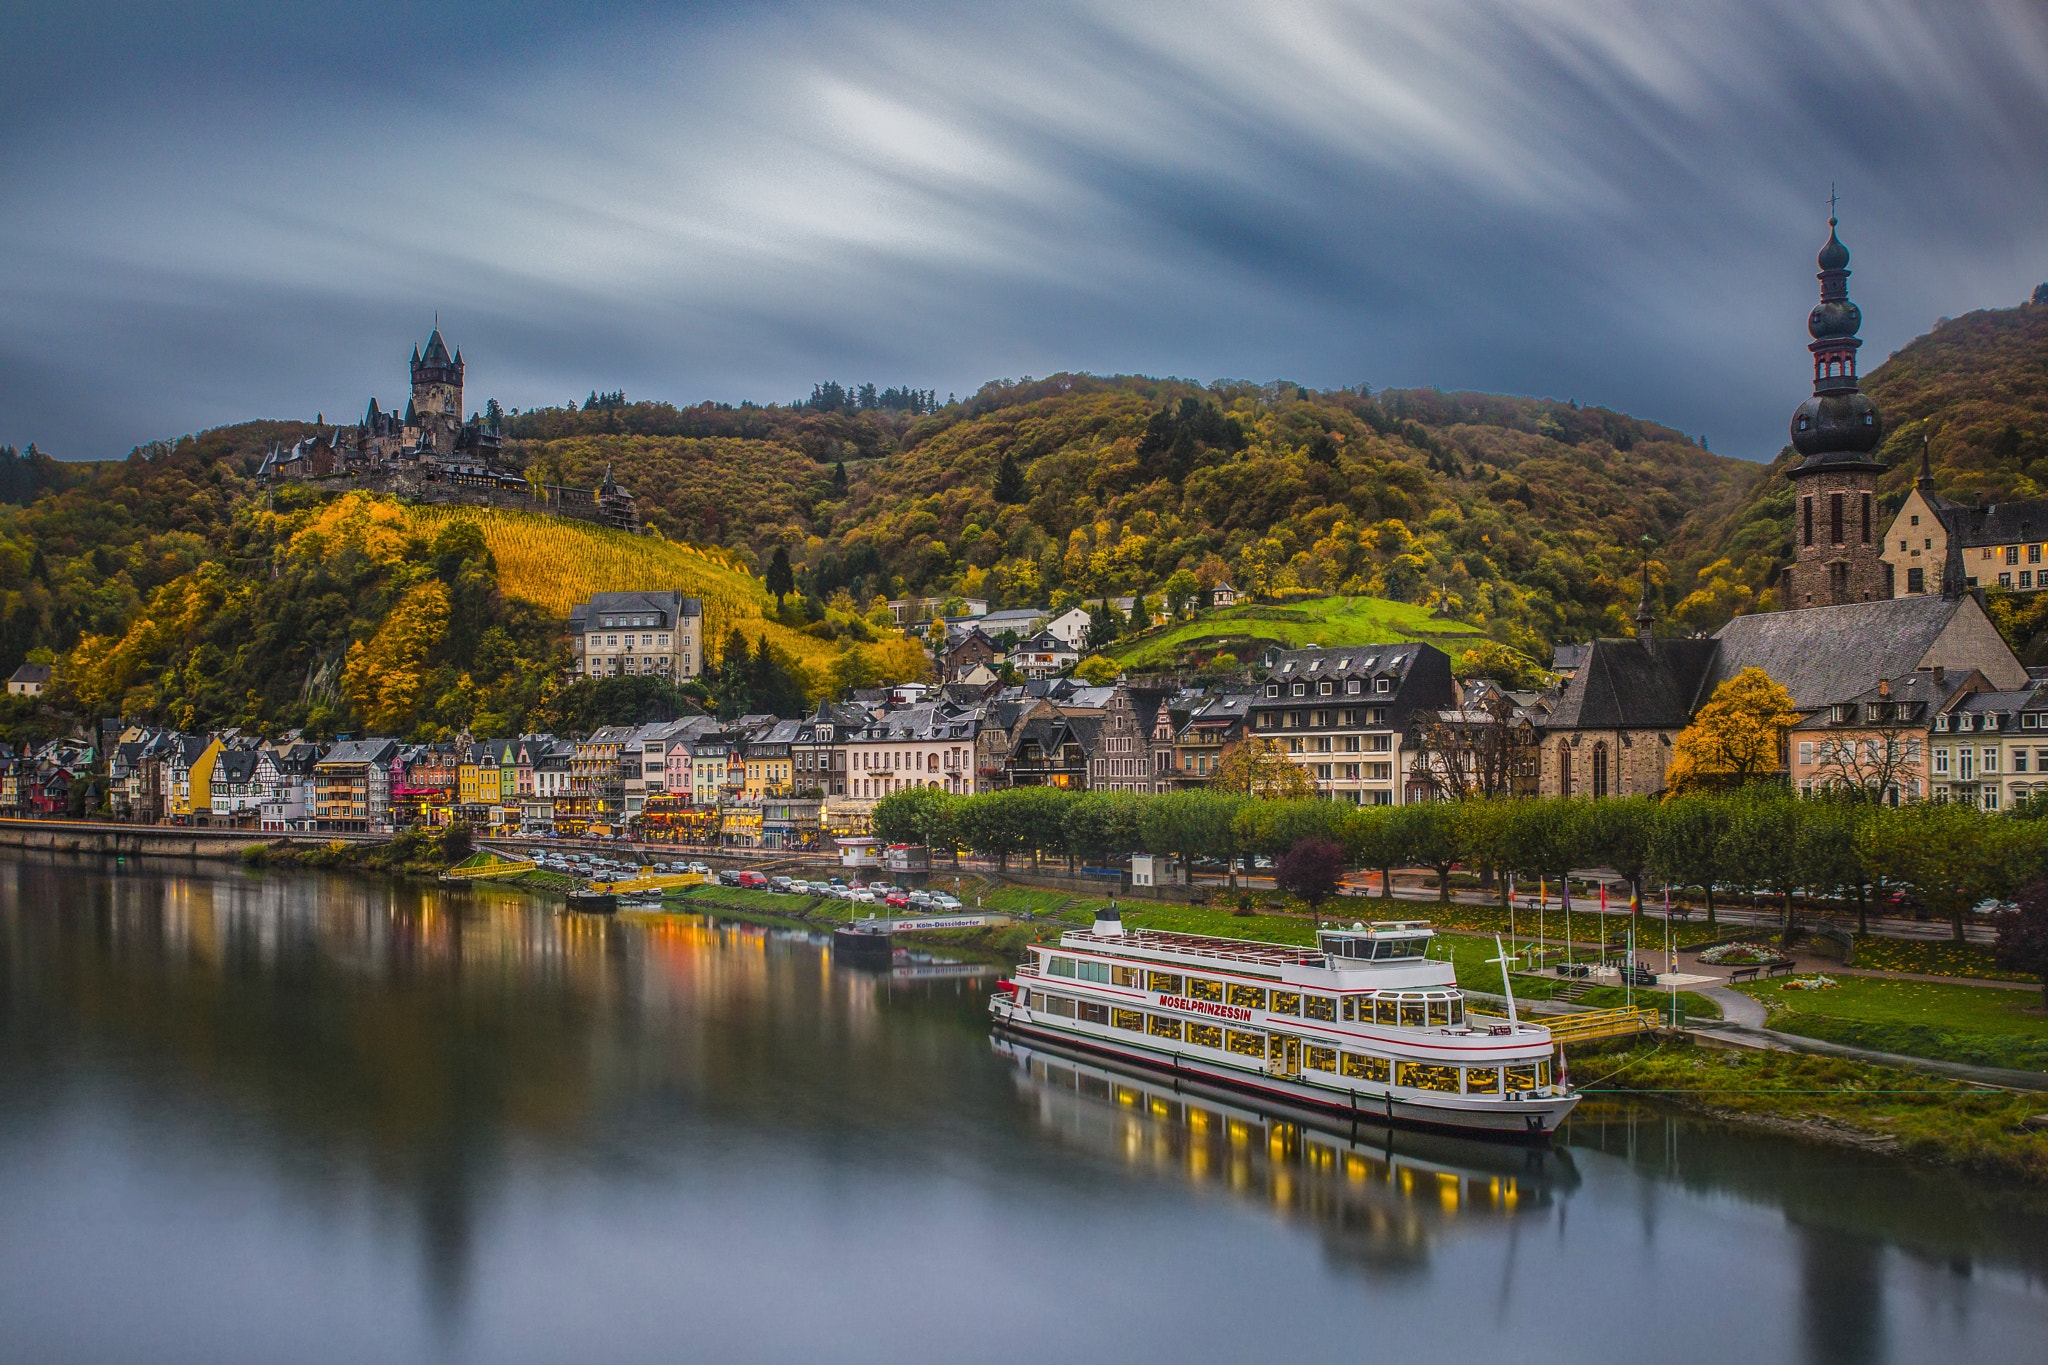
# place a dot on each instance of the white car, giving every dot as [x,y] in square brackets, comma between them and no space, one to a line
[942,901]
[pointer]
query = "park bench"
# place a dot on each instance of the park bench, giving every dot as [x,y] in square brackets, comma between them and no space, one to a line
[1573,969]
[1743,974]
[1778,969]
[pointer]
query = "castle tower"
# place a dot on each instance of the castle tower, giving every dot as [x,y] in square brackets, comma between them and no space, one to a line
[437,391]
[1837,542]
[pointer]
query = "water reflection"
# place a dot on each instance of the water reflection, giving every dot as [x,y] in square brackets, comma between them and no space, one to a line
[283,1116]
[1378,1198]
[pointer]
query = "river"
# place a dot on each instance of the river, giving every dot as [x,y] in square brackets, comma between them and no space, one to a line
[283,1116]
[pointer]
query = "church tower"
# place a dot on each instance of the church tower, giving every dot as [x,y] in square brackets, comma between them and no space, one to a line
[1837,543]
[437,391]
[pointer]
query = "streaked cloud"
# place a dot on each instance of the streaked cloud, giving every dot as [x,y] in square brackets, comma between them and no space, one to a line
[235,211]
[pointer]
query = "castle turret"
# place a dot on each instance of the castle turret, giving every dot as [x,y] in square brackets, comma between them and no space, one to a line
[1837,543]
[437,390]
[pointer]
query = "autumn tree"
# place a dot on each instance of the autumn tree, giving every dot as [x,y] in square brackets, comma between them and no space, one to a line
[2022,944]
[780,580]
[1478,751]
[1312,870]
[1180,589]
[1737,736]
[1883,758]
[1260,768]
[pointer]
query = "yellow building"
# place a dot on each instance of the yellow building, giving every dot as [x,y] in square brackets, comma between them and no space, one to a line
[192,789]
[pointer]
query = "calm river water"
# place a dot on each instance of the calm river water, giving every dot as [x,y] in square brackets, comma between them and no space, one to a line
[290,1117]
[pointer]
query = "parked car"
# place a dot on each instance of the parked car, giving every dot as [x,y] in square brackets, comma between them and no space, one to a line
[942,901]
[897,900]
[728,877]
[780,884]
[753,881]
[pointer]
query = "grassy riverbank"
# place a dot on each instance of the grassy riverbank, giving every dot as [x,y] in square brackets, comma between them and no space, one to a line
[1831,1100]
[1981,1025]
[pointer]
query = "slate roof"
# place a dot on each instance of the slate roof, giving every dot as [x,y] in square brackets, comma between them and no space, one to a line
[360,751]
[671,606]
[1625,685]
[1823,654]
[235,765]
[2001,523]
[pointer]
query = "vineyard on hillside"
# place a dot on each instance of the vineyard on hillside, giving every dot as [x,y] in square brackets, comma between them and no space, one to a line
[555,563]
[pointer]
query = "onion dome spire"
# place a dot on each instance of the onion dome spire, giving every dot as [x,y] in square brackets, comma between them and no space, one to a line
[1838,425]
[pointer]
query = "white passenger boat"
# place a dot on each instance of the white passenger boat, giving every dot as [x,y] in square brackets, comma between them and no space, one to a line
[1364,1024]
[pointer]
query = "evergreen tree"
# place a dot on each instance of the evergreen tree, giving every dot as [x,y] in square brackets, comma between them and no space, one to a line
[1009,486]
[839,479]
[780,580]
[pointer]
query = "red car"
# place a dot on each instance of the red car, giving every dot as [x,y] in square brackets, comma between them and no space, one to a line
[896,900]
[754,880]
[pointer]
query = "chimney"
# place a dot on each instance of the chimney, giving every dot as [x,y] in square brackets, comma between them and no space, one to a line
[1108,922]
[1940,675]
[1884,687]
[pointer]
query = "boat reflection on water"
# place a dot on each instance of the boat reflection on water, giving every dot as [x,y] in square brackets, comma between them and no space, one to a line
[1379,1196]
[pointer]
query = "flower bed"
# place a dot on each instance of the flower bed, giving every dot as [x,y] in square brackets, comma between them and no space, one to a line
[1811,983]
[1741,955]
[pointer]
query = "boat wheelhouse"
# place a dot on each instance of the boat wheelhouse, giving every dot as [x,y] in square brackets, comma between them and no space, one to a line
[1363,1023]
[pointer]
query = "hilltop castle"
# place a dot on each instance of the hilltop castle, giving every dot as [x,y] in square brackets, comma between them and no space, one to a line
[432,454]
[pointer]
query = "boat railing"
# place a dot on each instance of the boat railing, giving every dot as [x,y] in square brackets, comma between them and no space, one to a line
[1147,938]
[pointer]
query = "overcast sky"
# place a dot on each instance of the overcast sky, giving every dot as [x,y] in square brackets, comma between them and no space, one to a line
[213,210]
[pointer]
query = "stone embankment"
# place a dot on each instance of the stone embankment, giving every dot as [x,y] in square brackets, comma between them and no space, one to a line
[165,841]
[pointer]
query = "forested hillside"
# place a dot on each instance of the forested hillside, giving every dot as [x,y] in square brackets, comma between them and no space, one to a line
[1524,516]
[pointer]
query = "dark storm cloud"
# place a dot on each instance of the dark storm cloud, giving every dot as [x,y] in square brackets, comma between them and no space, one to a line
[222,211]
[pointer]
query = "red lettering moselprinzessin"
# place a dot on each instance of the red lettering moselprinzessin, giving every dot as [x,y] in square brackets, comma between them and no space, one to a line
[1181,1002]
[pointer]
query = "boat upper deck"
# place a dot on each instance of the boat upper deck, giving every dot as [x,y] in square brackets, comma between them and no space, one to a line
[1206,946]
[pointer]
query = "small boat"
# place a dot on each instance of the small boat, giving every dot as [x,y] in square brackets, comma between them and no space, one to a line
[593,902]
[864,944]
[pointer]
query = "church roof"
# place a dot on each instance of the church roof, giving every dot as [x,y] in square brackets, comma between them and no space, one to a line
[2001,523]
[1627,685]
[1824,654]
[437,350]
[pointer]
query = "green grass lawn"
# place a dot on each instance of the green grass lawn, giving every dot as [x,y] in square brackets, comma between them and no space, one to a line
[1984,1025]
[1331,621]
[1931,958]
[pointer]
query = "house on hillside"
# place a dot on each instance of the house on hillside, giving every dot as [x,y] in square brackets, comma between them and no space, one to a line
[29,680]
[656,634]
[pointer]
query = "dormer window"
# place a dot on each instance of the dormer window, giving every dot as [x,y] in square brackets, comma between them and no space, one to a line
[1301,689]
[1352,687]
[2030,720]
[1326,689]
[1272,689]
[1382,685]
[1941,723]
[1844,712]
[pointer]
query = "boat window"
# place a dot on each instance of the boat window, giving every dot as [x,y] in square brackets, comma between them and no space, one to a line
[1125,976]
[1439,1012]
[1351,1004]
[1059,966]
[1412,1014]
[1205,1035]
[1425,1076]
[1322,1007]
[1059,1004]
[1457,1012]
[1134,1020]
[1246,1044]
[1162,1026]
[1404,947]
[1543,1072]
[1386,1011]
[1482,1080]
[1092,971]
[1200,988]
[1520,1078]
[1166,983]
[1363,1068]
[1248,997]
[1092,1013]
[1286,1002]
[1319,1058]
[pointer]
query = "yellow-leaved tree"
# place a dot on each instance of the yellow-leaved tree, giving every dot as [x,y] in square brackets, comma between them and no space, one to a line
[1736,736]
[386,677]
[1261,768]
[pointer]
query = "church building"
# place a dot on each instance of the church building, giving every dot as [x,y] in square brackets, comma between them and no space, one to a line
[1841,630]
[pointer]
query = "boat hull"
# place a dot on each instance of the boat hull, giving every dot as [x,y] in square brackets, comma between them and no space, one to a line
[1529,1121]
